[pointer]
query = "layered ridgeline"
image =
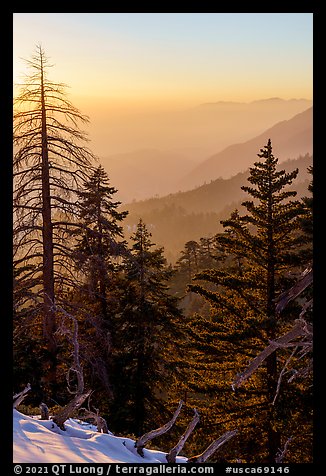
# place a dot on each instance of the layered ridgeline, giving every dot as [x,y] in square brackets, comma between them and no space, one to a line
[290,138]
[179,217]
[161,153]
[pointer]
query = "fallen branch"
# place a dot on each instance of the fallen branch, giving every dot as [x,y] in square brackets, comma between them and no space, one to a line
[305,307]
[292,293]
[171,456]
[70,409]
[213,447]
[141,442]
[281,375]
[302,373]
[19,397]
[298,330]
[100,422]
[280,455]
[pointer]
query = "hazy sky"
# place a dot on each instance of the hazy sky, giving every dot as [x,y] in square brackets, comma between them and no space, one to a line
[127,70]
[172,58]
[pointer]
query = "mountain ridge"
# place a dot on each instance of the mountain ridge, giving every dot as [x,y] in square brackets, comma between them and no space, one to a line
[177,218]
[289,137]
[170,147]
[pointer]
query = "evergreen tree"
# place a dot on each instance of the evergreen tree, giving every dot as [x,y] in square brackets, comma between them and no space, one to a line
[262,246]
[206,253]
[145,339]
[101,244]
[307,219]
[99,249]
[188,261]
[193,258]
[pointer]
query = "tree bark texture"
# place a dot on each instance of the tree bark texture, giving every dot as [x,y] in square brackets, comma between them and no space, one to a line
[171,456]
[19,397]
[70,409]
[274,436]
[213,447]
[141,442]
[49,319]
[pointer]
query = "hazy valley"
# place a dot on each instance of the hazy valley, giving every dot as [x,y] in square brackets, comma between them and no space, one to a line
[161,153]
[175,218]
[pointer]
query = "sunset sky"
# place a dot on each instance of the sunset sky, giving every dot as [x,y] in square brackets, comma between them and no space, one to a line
[120,62]
[190,57]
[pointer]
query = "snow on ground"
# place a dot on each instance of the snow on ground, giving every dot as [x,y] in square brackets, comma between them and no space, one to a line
[40,441]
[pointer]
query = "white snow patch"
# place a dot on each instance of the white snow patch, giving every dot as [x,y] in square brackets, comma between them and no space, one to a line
[40,441]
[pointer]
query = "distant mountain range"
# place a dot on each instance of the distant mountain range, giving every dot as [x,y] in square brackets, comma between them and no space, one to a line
[289,139]
[216,195]
[166,152]
[179,217]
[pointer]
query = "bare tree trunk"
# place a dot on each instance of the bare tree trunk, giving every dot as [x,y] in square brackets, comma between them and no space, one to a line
[69,410]
[44,411]
[171,457]
[305,280]
[49,169]
[210,450]
[81,395]
[19,397]
[273,435]
[49,326]
[76,367]
[141,442]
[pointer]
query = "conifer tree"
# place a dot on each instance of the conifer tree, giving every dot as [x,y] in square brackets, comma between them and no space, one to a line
[307,219]
[193,258]
[98,253]
[146,333]
[188,260]
[101,243]
[261,247]
[206,253]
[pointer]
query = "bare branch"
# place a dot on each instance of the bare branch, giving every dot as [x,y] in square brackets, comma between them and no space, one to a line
[19,397]
[294,291]
[171,456]
[67,411]
[298,330]
[77,368]
[281,453]
[213,447]
[282,373]
[141,442]
[100,422]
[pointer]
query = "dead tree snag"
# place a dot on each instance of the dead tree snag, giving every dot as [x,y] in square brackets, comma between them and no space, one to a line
[141,442]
